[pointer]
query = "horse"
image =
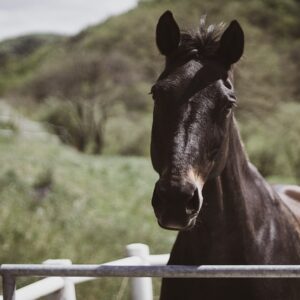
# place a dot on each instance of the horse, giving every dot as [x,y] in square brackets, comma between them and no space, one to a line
[223,209]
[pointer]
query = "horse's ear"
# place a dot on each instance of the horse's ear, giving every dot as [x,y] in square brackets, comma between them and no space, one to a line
[231,44]
[167,34]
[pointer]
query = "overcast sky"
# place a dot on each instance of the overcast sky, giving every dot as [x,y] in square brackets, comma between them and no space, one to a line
[19,17]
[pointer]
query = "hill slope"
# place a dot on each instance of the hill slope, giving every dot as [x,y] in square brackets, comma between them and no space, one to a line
[109,68]
[20,56]
[122,49]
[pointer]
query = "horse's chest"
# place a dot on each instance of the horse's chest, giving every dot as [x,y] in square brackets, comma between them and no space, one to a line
[233,289]
[206,289]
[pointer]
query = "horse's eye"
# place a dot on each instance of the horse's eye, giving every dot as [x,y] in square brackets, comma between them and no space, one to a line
[229,105]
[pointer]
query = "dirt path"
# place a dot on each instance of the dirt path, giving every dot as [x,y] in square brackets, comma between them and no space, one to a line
[24,127]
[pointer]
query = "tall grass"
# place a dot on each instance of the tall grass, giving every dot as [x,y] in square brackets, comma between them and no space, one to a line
[58,203]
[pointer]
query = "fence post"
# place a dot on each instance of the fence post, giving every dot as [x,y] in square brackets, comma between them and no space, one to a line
[141,288]
[9,287]
[68,291]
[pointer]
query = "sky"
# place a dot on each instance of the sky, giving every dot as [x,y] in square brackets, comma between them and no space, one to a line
[18,17]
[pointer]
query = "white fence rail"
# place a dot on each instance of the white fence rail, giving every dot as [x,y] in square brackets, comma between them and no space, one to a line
[138,265]
[138,255]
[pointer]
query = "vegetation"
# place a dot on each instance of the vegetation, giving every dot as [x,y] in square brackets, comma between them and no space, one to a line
[19,57]
[58,203]
[91,91]
[277,151]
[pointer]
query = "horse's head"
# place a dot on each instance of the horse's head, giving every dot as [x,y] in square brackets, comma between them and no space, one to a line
[193,101]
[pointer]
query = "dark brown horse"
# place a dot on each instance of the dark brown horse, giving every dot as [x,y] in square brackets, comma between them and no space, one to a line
[226,213]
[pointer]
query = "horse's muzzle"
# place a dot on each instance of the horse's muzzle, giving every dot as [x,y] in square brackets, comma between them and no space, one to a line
[176,204]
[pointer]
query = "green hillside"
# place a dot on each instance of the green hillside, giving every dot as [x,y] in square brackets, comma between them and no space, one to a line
[122,49]
[21,56]
[26,45]
[91,88]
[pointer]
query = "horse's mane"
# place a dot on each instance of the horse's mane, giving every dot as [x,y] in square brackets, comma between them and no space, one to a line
[205,40]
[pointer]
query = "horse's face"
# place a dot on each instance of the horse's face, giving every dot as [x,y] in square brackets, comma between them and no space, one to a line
[193,101]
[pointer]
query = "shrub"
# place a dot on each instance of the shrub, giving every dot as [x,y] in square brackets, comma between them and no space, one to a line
[79,123]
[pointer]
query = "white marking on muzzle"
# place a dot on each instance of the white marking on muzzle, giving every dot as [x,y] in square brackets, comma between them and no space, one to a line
[198,180]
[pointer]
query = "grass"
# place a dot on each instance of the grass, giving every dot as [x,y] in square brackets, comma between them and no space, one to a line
[57,203]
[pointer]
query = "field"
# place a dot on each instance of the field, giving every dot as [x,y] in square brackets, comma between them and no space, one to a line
[59,203]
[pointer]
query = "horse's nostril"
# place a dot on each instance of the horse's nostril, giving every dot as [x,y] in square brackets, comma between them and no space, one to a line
[193,204]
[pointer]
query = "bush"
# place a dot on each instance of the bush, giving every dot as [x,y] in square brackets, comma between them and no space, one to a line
[100,125]
[78,123]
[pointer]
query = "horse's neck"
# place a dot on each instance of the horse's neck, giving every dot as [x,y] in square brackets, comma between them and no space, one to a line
[242,209]
[227,195]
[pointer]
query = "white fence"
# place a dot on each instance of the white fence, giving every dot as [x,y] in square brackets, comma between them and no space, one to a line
[138,255]
[62,275]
